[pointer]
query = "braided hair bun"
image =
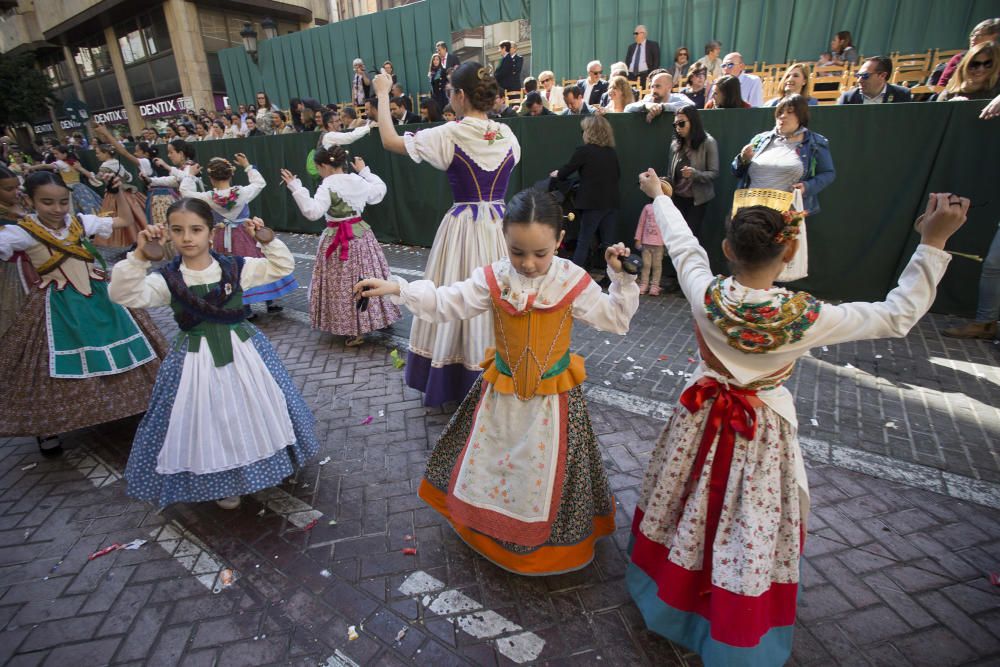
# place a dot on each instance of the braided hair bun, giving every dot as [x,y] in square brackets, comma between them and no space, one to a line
[335,156]
[752,233]
[478,84]
[220,169]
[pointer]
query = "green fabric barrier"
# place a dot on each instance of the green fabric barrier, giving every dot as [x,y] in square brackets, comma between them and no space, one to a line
[888,157]
[317,62]
[567,34]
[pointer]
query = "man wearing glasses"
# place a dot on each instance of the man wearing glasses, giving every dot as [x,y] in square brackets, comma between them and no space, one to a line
[751,87]
[642,56]
[873,85]
[594,87]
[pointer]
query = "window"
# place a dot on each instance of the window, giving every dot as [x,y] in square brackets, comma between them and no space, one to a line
[221,30]
[143,36]
[92,58]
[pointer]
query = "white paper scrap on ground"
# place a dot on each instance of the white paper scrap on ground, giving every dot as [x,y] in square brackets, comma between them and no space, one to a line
[813,422]
[471,618]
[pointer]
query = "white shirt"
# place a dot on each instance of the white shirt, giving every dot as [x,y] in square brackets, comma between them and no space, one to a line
[873,100]
[752,90]
[672,104]
[641,50]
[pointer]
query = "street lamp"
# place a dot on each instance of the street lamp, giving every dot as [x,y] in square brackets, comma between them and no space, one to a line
[249,36]
[270,28]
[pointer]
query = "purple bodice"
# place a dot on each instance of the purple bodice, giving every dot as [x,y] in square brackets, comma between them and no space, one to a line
[471,184]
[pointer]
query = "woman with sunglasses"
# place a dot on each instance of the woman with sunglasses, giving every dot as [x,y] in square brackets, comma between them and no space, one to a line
[977,76]
[682,63]
[694,165]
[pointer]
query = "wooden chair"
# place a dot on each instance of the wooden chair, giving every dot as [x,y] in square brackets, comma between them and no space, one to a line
[515,96]
[569,82]
[922,60]
[910,75]
[943,56]
[926,90]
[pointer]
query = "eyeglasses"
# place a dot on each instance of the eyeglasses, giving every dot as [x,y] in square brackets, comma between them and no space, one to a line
[598,72]
[638,33]
[680,123]
[985,64]
[862,76]
[683,53]
[728,65]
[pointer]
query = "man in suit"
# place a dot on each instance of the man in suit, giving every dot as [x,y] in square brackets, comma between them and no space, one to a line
[448,60]
[642,56]
[533,105]
[397,107]
[751,87]
[593,86]
[508,72]
[873,85]
[575,103]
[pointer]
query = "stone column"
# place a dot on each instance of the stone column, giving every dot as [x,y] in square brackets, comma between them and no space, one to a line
[189,52]
[135,123]
[74,73]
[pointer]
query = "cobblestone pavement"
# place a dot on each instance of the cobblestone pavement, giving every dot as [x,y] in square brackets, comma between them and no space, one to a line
[924,410]
[892,575]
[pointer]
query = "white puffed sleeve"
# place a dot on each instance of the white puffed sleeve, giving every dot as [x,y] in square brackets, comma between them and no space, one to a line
[331,139]
[276,263]
[133,288]
[433,145]
[314,207]
[97,226]
[376,186]
[610,312]
[459,301]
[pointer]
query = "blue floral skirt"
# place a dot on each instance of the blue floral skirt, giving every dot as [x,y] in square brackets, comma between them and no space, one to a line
[145,483]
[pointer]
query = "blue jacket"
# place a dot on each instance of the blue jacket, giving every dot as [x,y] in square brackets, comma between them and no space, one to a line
[817,165]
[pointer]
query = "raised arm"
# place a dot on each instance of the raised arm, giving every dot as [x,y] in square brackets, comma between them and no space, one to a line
[391,141]
[130,285]
[276,263]
[376,186]
[609,312]
[312,208]
[345,138]
[459,301]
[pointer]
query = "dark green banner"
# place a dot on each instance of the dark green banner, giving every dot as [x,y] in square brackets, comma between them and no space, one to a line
[888,157]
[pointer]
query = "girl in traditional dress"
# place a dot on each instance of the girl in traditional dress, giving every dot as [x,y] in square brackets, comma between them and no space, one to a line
[231,207]
[479,155]
[225,418]
[518,470]
[72,358]
[348,249]
[721,519]
[13,281]
[121,199]
[84,199]
[164,190]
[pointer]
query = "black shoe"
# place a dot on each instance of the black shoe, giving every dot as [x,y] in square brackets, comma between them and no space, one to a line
[50,447]
[251,317]
[275,309]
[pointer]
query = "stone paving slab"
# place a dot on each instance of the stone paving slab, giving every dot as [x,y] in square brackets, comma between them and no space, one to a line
[924,400]
[892,575]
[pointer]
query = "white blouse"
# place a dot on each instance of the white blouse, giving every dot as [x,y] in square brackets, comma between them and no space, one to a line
[246,194]
[436,145]
[345,138]
[15,239]
[356,190]
[133,287]
[837,323]
[173,180]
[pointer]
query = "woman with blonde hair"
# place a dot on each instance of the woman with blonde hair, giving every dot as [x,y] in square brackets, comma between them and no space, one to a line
[794,82]
[552,95]
[619,95]
[597,199]
[977,76]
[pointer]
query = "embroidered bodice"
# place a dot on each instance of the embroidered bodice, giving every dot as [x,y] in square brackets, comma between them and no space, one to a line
[470,183]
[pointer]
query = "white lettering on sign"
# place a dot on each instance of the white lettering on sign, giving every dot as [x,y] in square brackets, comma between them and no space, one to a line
[156,108]
[112,116]
[42,129]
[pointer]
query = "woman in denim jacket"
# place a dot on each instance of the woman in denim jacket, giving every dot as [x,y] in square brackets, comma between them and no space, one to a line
[789,157]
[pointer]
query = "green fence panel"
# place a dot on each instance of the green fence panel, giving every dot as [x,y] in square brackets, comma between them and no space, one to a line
[887,158]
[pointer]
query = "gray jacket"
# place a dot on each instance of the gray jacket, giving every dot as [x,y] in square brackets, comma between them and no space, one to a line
[705,162]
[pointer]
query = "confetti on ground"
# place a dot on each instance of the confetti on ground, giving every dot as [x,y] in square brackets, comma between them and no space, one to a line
[397,359]
[332,522]
[848,366]
[324,461]
[381,413]
[607,342]
[995,578]
[814,422]
[262,512]
[629,359]
[407,538]
[352,633]
[367,420]
[309,526]
[401,634]
[134,544]
[662,357]
[607,382]
[629,376]
[105,551]
[826,349]
[410,551]
[878,356]
[29,466]
[639,368]
[692,360]
[891,425]
[326,574]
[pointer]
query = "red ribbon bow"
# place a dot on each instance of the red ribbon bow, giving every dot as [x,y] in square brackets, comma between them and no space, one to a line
[733,411]
[343,237]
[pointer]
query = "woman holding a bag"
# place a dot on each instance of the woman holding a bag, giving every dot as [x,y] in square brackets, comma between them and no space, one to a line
[790,158]
[694,165]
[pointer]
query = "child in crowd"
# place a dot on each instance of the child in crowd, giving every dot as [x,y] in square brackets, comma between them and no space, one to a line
[165,190]
[518,470]
[721,519]
[71,358]
[650,243]
[225,418]
[121,199]
[84,199]
[825,59]
[340,199]
[13,281]
[231,207]
[448,113]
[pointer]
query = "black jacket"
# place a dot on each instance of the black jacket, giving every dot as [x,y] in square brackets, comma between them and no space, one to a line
[508,72]
[599,174]
[409,119]
[893,93]
[596,93]
[652,55]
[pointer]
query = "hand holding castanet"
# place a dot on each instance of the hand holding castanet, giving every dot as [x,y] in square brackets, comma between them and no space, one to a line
[255,227]
[148,243]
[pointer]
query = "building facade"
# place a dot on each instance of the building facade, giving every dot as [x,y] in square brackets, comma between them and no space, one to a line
[132,62]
